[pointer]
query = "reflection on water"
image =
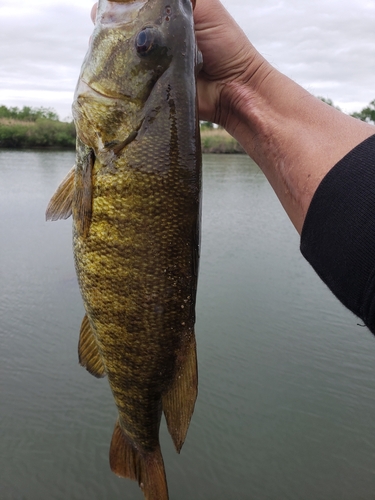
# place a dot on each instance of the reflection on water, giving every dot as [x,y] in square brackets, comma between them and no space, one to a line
[286,407]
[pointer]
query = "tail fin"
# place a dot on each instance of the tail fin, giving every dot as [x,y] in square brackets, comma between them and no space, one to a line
[146,468]
[178,402]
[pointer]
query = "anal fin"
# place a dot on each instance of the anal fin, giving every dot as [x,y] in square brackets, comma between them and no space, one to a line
[145,467]
[60,205]
[88,352]
[178,402]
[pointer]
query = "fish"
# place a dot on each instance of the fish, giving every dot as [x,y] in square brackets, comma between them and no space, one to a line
[134,194]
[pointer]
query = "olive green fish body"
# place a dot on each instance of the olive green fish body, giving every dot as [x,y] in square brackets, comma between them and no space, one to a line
[137,270]
[135,198]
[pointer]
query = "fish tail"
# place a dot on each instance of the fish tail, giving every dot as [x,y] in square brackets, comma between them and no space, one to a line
[145,467]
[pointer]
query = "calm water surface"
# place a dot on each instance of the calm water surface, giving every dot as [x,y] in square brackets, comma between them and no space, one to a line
[286,406]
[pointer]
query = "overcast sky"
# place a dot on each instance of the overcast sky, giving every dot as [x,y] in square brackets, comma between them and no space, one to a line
[328,46]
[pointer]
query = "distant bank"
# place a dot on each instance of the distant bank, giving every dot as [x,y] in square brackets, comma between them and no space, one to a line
[217,140]
[41,133]
[53,134]
[40,128]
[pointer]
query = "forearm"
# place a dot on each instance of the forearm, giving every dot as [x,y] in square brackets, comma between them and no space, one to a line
[293,136]
[296,140]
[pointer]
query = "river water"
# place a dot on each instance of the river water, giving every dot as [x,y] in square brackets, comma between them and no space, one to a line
[286,406]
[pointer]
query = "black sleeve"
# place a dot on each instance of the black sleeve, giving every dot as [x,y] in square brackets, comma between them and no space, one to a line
[338,236]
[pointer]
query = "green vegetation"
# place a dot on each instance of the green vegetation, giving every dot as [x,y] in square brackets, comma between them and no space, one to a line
[34,128]
[367,114]
[28,114]
[40,128]
[206,125]
[217,140]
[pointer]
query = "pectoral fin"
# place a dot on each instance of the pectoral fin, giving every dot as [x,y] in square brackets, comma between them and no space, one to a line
[60,205]
[82,201]
[88,352]
[178,403]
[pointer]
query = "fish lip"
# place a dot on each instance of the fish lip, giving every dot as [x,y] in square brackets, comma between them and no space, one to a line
[84,87]
[112,150]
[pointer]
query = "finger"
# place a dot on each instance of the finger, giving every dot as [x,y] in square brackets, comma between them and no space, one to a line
[93,12]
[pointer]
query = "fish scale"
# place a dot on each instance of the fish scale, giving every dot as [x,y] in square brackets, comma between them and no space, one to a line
[135,199]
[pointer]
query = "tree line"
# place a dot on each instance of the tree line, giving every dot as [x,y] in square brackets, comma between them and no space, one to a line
[34,128]
[367,114]
[28,114]
[30,127]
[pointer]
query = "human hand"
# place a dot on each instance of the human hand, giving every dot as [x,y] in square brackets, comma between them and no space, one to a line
[229,61]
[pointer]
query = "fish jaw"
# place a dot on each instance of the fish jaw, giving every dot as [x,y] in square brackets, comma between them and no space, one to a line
[116,67]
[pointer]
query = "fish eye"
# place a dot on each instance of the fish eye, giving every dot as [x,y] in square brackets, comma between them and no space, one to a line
[146,40]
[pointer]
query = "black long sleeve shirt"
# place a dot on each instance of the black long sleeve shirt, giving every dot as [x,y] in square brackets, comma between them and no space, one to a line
[338,236]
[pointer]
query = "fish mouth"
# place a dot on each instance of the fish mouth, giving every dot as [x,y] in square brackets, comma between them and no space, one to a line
[85,89]
[108,151]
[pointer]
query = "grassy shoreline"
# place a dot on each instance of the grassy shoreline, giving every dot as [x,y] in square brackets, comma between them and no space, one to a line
[53,134]
[42,133]
[217,140]
[40,128]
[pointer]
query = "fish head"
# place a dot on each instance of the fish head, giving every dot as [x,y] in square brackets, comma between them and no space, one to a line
[135,42]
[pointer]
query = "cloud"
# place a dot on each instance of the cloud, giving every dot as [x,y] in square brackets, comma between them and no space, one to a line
[328,47]
[43,45]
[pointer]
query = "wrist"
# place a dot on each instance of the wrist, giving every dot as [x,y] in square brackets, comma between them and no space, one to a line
[244,111]
[294,137]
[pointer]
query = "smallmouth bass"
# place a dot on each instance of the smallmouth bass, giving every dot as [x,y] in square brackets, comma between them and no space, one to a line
[134,194]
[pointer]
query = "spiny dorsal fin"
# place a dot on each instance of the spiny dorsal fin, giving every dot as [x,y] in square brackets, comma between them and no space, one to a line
[178,402]
[145,467]
[82,202]
[60,205]
[88,352]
